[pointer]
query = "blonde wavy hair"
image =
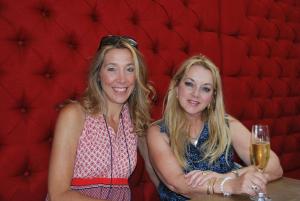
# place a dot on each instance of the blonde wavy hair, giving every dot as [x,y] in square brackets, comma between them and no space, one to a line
[139,102]
[178,125]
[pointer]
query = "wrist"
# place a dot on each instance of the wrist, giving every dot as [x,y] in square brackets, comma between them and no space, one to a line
[210,190]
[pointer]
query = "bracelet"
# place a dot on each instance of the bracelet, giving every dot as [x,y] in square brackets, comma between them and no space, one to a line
[213,185]
[208,187]
[210,191]
[222,186]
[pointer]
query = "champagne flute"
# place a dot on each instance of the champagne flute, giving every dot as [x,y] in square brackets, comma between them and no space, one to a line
[260,148]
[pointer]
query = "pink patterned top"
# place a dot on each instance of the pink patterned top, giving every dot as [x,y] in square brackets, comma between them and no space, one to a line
[104,160]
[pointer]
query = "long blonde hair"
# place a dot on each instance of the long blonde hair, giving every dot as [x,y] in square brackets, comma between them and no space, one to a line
[139,101]
[178,125]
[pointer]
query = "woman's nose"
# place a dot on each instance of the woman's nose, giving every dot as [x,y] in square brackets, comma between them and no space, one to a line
[121,76]
[196,92]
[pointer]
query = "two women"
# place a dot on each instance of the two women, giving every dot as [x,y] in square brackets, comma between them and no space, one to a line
[94,148]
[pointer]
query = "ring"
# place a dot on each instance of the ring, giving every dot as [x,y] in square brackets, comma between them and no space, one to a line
[254,187]
[204,173]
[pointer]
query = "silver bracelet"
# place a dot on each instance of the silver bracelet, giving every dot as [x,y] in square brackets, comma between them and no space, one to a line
[222,186]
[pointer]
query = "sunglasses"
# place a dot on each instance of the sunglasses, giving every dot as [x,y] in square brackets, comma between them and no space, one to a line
[115,39]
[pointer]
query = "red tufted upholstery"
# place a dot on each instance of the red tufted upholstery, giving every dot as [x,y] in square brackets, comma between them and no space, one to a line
[46,47]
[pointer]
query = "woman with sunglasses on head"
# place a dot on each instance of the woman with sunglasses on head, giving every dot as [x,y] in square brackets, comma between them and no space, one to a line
[95,145]
[191,147]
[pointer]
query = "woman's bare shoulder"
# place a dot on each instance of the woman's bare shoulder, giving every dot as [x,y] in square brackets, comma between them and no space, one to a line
[70,120]
[156,135]
[154,128]
[73,111]
[233,121]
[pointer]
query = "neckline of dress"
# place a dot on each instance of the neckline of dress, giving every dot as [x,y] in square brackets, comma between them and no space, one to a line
[195,140]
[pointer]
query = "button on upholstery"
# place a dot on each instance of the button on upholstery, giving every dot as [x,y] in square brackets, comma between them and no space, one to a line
[26,173]
[135,19]
[186,48]
[169,24]
[21,38]
[71,41]
[44,11]
[155,47]
[94,16]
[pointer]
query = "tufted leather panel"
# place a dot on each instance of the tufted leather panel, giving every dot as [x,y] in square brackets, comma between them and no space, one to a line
[46,47]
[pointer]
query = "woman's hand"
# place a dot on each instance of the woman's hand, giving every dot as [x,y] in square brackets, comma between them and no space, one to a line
[198,177]
[250,182]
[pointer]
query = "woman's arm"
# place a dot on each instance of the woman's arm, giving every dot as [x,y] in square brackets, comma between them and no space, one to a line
[241,140]
[67,132]
[195,182]
[142,145]
[249,176]
[166,165]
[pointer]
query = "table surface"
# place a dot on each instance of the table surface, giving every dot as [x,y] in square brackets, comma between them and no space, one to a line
[284,189]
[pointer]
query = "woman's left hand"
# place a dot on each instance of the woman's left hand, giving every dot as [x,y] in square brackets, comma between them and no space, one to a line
[198,178]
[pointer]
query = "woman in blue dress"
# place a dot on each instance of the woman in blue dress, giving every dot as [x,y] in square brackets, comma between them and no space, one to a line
[191,147]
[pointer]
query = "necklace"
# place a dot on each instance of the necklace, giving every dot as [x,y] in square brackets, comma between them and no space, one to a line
[194,140]
[111,155]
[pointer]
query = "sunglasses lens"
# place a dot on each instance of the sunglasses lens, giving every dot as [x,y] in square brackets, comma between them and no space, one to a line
[131,41]
[113,40]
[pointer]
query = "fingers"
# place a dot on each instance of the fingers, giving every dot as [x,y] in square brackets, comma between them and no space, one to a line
[247,187]
[255,188]
[251,190]
[260,181]
[253,182]
[262,177]
[198,178]
[201,180]
[195,177]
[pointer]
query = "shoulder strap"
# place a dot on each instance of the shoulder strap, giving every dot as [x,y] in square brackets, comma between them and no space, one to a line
[162,126]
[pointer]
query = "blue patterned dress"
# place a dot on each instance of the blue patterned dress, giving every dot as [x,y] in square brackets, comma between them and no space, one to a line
[194,156]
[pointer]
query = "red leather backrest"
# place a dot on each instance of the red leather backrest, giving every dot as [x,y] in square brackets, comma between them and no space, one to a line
[46,47]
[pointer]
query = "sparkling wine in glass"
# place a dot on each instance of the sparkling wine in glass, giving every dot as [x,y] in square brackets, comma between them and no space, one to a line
[260,147]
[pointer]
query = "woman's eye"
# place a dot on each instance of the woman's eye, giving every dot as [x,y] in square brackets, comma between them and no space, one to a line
[111,68]
[189,84]
[130,69]
[206,89]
